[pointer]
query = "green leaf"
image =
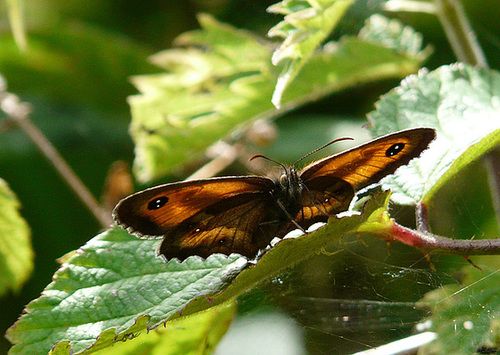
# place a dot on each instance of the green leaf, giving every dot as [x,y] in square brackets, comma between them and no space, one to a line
[115,283]
[466,316]
[16,253]
[115,286]
[306,25]
[74,62]
[198,334]
[224,81]
[15,10]
[461,103]
[393,34]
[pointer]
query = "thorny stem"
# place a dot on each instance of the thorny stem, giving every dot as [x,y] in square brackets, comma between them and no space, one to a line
[17,112]
[428,242]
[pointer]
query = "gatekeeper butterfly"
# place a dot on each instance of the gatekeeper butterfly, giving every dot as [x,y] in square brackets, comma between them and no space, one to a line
[242,214]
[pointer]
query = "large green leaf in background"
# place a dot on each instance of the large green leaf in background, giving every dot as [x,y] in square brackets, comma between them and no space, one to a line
[228,83]
[16,253]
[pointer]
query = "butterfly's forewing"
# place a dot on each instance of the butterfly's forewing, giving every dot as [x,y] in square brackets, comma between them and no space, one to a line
[333,180]
[202,217]
[241,224]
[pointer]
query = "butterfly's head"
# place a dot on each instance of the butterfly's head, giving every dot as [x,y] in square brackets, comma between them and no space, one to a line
[289,186]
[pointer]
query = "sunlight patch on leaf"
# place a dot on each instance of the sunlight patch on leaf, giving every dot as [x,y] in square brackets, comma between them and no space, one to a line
[115,287]
[223,80]
[16,252]
[462,103]
[466,315]
[306,25]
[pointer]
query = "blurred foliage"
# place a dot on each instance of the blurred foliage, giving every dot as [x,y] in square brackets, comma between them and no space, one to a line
[75,72]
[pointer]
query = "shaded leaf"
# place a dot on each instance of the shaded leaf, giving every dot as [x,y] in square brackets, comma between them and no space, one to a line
[16,253]
[461,102]
[466,315]
[74,62]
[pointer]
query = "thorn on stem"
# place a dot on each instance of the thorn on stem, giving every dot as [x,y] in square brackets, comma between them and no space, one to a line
[428,258]
[471,262]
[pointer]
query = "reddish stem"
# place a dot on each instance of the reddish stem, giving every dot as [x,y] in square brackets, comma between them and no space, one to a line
[428,242]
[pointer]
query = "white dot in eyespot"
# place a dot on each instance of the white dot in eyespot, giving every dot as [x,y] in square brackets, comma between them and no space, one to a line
[197,230]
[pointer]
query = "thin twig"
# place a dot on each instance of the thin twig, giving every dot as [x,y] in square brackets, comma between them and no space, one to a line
[17,112]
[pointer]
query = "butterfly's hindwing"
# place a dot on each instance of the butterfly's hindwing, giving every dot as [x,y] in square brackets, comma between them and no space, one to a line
[323,197]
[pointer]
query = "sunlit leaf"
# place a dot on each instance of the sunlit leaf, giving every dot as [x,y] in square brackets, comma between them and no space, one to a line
[391,33]
[115,287]
[15,11]
[115,283]
[461,102]
[306,25]
[223,81]
[16,253]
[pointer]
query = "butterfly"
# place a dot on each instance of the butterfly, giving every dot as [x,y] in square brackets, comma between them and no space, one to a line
[242,214]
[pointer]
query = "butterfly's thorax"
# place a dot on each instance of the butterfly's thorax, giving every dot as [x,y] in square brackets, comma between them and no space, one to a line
[288,191]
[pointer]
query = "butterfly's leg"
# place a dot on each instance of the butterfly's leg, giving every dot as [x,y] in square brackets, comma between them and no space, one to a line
[290,217]
[314,202]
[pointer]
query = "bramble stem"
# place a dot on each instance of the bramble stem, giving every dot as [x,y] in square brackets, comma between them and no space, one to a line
[428,242]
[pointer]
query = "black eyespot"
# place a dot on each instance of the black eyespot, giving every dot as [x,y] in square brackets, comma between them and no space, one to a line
[157,203]
[394,149]
[221,241]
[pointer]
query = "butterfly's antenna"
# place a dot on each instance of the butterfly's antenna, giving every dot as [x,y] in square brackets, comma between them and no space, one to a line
[323,147]
[269,159]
